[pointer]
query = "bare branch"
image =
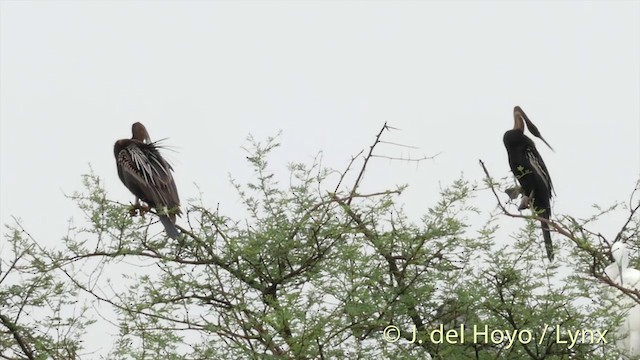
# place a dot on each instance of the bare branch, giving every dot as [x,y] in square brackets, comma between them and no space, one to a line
[407,159]
[366,161]
[397,144]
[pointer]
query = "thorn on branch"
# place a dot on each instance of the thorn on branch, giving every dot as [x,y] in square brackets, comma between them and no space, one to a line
[372,155]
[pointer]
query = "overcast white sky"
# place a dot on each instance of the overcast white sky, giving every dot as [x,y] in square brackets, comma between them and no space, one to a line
[75,76]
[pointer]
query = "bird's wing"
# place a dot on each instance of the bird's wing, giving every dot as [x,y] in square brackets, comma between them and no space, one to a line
[159,171]
[135,172]
[538,166]
[147,175]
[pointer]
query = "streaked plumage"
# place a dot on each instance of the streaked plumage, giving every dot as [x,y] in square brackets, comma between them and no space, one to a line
[148,176]
[530,170]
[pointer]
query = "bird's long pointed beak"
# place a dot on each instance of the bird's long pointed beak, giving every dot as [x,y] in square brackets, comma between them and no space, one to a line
[545,141]
[520,115]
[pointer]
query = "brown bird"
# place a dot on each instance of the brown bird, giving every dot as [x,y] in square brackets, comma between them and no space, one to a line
[148,176]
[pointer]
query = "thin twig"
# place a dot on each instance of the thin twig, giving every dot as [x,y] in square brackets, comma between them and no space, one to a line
[366,160]
[406,159]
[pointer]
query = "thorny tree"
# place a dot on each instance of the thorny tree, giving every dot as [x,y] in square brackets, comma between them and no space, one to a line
[317,270]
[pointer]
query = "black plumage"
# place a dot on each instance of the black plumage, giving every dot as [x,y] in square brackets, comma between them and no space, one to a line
[148,176]
[530,170]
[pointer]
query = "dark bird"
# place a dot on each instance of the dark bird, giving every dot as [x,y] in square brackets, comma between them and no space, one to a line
[529,168]
[148,176]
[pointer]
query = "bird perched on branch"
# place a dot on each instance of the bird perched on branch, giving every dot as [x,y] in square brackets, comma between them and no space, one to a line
[148,176]
[529,168]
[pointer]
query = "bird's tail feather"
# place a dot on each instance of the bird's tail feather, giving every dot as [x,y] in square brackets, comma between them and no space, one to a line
[547,234]
[169,227]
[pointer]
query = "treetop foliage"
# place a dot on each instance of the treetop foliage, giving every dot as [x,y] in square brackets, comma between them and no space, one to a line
[316,270]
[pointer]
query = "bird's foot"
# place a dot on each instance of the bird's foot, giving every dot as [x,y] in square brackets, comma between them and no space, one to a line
[513,192]
[138,209]
[524,204]
[144,209]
